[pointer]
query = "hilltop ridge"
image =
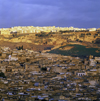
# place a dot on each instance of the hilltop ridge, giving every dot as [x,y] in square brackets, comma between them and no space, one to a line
[46,39]
[32,29]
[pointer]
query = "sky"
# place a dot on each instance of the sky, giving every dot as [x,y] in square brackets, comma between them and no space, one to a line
[59,13]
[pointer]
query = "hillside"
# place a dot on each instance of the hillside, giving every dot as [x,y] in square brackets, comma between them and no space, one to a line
[47,41]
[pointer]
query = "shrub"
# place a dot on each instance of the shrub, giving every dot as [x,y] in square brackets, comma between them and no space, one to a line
[77,39]
[82,35]
[44,69]
[2,75]
[20,47]
[96,34]
[43,100]
[36,99]
[88,34]
[80,41]
[66,31]
[97,41]
[43,34]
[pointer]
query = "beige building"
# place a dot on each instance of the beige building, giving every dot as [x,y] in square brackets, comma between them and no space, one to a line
[4,32]
[92,29]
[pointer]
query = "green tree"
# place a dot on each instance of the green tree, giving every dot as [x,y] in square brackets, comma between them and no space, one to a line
[88,34]
[20,47]
[97,41]
[44,69]
[43,100]
[2,75]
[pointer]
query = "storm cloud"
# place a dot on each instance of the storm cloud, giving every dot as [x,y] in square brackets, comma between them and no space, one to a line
[63,13]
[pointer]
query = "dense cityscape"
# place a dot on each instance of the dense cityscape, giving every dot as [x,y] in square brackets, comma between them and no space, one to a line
[27,75]
[32,29]
[49,50]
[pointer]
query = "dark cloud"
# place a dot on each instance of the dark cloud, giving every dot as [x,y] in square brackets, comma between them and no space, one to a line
[65,13]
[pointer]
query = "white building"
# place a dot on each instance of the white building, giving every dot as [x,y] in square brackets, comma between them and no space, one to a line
[81,74]
[92,29]
[13,58]
[92,62]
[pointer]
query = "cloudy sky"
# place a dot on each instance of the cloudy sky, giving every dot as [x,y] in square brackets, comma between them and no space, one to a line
[62,13]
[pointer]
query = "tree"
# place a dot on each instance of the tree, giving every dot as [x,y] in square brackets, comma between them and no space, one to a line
[44,69]
[2,75]
[82,35]
[17,48]
[43,100]
[20,47]
[36,99]
[88,34]
[42,34]
[97,41]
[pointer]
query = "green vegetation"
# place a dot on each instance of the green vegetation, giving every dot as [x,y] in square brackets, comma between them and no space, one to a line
[19,35]
[88,34]
[42,34]
[97,41]
[79,40]
[82,35]
[95,35]
[2,75]
[81,31]
[66,31]
[51,33]
[20,47]
[98,32]
[78,50]
[14,34]
[44,69]
[43,100]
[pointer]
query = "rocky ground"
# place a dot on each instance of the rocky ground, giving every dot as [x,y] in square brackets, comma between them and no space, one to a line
[50,41]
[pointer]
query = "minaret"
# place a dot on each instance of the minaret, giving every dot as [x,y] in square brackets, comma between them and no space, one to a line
[90,57]
[77,88]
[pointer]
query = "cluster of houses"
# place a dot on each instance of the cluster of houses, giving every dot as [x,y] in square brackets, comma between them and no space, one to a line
[32,29]
[34,76]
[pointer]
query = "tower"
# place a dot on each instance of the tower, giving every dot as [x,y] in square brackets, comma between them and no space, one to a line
[90,57]
[77,88]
